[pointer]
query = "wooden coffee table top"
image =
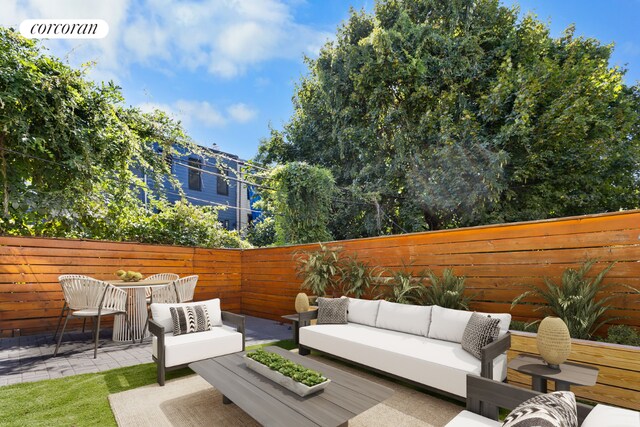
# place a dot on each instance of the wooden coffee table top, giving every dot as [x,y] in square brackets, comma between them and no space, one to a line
[272,405]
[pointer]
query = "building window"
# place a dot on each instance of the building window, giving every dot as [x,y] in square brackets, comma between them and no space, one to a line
[195,174]
[226,224]
[223,187]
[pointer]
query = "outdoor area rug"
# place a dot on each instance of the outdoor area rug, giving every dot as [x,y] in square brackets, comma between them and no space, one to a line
[191,401]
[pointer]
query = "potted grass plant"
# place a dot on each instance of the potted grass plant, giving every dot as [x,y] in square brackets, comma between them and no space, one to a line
[290,375]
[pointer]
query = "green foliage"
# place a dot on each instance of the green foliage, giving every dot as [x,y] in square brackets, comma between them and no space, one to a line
[623,334]
[405,288]
[359,277]
[287,368]
[68,152]
[262,233]
[301,197]
[442,114]
[321,270]
[518,325]
[576,300]
[447,291]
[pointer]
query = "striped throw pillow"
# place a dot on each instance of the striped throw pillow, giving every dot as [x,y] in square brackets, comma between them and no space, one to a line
[190,319]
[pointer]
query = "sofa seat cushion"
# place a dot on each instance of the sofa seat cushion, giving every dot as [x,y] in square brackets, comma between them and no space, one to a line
[440,364]
[610,416]
[181,349]
[471,419]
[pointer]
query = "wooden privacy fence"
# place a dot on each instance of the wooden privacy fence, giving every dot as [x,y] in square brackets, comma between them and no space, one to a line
[31,297]
[493,258]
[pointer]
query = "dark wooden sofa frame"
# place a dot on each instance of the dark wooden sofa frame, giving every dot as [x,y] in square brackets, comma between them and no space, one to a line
[485,397]
[489,353]
[157,330]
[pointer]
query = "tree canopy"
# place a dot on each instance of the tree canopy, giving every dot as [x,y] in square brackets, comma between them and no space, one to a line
[71,156]
[436,114]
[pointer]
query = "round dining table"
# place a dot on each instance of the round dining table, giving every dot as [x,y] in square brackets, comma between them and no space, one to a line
[136,309]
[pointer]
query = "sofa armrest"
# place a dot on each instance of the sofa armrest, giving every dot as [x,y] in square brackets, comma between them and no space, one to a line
[305,318]
[237,320]
[491,351]
[157,330]
[485,396]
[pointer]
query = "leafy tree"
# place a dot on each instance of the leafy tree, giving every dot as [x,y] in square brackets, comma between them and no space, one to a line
[438,114]
[301,198]
[71,155]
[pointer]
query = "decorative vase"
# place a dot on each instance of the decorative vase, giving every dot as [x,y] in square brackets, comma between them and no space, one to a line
[554,341]
[302,303]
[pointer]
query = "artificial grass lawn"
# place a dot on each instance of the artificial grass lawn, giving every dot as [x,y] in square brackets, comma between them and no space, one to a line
[80,400]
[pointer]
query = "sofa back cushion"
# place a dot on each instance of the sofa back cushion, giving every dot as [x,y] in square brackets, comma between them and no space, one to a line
[161,313]
[363,311]
[448,324]
[411,319]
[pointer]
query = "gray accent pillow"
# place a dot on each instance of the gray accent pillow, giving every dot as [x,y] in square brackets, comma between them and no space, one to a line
[332,310]
[480,331]
[557,409]
[190,319]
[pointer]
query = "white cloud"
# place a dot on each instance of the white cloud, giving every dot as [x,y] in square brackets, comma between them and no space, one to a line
[241,112]
[223,37]
[191,112]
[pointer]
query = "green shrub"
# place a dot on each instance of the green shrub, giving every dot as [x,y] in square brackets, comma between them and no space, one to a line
[358,277]
[287,368]
[623,334]
[262,232]
[575,300]
[405,288]
[321,270]
[518,325]
[447,291]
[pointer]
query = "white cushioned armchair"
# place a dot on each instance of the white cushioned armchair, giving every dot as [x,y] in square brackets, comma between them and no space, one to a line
[177,351]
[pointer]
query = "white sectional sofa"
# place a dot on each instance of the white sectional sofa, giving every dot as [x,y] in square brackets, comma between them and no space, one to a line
[420,344]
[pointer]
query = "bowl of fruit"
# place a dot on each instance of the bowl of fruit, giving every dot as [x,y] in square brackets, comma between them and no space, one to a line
[129,276]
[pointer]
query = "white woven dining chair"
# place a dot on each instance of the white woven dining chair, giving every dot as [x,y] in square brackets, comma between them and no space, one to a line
[185,288]
[169,277]
[90,298]
[64,306]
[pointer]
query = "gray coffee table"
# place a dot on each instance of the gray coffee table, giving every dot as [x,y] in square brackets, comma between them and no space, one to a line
[272,405]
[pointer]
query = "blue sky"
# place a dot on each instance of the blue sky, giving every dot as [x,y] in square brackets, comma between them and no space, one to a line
[227,68]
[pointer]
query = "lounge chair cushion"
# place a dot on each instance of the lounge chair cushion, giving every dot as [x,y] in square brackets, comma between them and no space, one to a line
[363,311]
[161,313]
[440,364]
[471,419]
[609,416]
[411,319]
[187,348]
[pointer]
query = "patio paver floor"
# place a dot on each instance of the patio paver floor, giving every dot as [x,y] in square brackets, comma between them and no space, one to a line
[29,358]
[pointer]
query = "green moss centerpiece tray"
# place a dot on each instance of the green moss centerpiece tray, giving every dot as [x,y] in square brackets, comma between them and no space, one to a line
[290,375]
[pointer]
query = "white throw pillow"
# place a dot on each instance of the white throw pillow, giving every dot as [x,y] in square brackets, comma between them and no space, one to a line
[448,324]
[161,313]
[363,311]
[412,319]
